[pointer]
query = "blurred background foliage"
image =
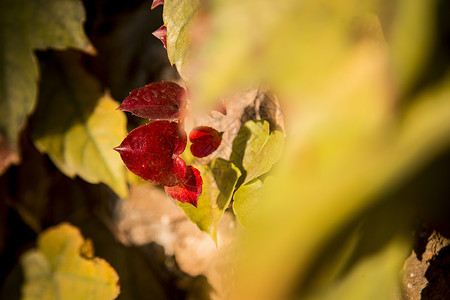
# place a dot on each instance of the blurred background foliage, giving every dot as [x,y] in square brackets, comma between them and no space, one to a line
[365,90]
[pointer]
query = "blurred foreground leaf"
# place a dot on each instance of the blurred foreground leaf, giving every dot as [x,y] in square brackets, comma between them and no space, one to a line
[291,45]
[26,25]
[408,59]
[349,141]
[77,126]
[58,270]
[310,201]
[219,181]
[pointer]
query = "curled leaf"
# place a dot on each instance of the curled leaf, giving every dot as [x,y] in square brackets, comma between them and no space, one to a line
[161,34]
[157,3]
[163,100]
[205,140]
[189,189]
[150,151]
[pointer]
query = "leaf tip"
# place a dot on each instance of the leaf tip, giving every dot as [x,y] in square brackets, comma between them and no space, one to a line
[120,107]
[118,149]
[161,34]
[157,3]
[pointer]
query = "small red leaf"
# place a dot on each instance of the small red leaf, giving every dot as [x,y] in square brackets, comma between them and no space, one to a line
[205,140]
[161,34]
[150,151]
[156,3]
[189,189]
[163,100]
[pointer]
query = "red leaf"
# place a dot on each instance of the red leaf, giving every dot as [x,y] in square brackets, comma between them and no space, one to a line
[161,34]
[163,100]
[181,142]
[150,151]
[189,189]
[205,140]
[156,3]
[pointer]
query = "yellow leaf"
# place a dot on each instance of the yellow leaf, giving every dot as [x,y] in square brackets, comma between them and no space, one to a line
[56,270]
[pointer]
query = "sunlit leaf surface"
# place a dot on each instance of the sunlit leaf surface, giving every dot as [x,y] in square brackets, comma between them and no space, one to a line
[219,181]
[256,149]
[178,17]
[77,126]
[246,200]
[63,267]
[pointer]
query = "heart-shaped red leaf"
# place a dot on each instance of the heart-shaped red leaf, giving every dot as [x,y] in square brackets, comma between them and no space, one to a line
[156,3]
[150,151]
[205,140]
[189,189]
[163,100]
[161,34]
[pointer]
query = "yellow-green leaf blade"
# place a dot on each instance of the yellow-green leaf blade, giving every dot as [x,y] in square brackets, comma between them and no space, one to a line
[55,269]
[246,200]
[178,17]
[77,126]
[256,149]
[219,181]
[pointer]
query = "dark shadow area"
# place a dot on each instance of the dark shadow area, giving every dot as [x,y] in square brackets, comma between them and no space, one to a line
[128,55]
[438,276]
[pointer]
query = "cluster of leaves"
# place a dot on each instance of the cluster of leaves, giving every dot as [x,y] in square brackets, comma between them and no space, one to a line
[152,151]
[362,121]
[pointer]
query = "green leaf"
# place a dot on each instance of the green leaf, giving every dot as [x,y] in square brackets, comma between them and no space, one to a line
[77,126]
[178,17]
[219,181]
[256,149]
[246,200]
[57,270]
[26,25]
